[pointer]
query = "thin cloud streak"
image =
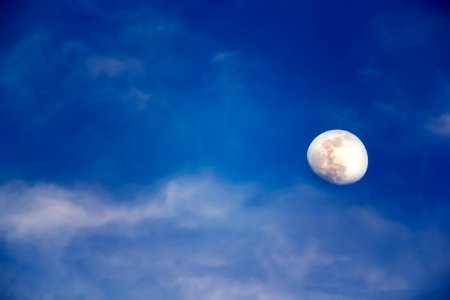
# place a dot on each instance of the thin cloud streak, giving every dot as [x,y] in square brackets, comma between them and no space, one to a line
[48,209]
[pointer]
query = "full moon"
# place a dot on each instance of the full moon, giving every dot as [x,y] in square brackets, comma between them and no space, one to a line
[338,157]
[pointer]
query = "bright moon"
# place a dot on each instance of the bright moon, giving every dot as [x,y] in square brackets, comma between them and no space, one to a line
[338,156]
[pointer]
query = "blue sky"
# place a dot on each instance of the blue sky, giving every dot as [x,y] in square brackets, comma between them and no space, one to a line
[157,150]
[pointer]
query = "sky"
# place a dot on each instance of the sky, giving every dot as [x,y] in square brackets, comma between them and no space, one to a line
[157,149]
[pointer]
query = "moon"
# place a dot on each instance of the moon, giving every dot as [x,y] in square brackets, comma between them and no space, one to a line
[338,156]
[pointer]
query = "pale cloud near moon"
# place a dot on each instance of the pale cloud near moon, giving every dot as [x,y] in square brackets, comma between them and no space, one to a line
[225,231]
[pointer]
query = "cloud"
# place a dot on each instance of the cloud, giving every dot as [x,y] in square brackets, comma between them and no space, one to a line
[147,52]
[200,237]
[48,210]
[31,52]
[376,224]
[440,125]
[210,287]
[111,66]
[100,89]
[405,30]
[89,95]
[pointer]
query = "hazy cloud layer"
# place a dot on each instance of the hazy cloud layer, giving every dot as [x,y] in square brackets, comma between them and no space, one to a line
[199,237]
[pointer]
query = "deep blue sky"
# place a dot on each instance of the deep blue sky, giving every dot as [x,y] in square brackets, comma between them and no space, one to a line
[157,149]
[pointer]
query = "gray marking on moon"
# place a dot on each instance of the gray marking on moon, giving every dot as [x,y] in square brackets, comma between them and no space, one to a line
[329,168]
[337,156]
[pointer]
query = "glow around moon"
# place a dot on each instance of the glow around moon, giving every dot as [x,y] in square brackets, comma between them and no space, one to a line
[338,157]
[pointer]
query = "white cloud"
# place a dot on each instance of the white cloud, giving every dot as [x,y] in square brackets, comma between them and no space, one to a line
[199,237]
[49,209]
[217,288]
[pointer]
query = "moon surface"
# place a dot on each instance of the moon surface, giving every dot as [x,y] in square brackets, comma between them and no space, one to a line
[338,157]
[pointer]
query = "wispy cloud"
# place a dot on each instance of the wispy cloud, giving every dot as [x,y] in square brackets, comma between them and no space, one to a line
[221,246]
[107,88]
[147,52]
[402,30]
[440,125]
[47,210]
[111,66]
